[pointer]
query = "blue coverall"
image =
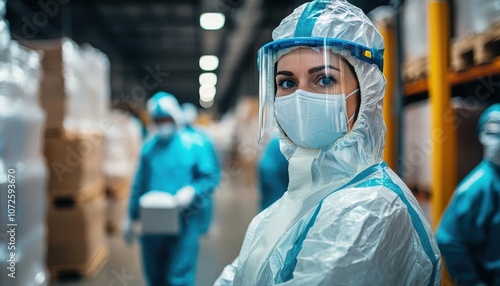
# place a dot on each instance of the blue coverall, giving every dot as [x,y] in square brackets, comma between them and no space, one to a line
[167,165]
[273,174]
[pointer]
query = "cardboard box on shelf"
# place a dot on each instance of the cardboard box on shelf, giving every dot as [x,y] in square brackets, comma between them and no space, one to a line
[81,194]
[76,237]
[73,160]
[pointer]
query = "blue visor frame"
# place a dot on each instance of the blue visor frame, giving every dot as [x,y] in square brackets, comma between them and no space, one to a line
[371,56]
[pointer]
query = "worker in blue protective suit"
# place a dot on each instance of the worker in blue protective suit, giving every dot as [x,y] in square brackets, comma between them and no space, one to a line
[273,173]
[203,205]
[346,218]
[171,164]
[469,231]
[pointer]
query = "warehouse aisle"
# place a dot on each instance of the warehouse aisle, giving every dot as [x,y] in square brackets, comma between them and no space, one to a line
[235,205]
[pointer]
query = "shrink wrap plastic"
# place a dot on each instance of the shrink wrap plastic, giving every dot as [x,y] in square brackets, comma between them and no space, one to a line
[122,143]
[22,204]
[30,264]
[21,117]
[75,89]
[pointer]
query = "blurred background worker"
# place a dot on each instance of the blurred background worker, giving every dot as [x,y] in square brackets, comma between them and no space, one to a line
[172,163]
[469,232]
[198,137]
[273,173]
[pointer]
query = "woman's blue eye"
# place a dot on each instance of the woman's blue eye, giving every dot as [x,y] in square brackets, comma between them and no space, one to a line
[326,81]
[287,84]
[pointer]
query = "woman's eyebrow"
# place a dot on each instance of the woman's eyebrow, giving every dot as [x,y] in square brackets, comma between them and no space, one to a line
[320,68]
[285,73]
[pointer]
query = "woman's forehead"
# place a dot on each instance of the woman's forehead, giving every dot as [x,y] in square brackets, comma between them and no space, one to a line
[307,56]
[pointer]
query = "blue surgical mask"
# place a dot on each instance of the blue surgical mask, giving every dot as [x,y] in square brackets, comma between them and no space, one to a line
[312,120]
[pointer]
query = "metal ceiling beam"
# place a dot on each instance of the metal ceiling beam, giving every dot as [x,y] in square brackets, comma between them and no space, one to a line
[241,40]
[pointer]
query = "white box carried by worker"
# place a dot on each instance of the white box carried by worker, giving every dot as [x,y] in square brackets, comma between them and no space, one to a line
[159,213]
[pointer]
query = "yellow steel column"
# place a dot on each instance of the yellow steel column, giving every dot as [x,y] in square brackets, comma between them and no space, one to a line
[388,31]
[443,134]
[442,115]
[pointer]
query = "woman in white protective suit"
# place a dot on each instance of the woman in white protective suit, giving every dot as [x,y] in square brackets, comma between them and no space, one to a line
[346,218]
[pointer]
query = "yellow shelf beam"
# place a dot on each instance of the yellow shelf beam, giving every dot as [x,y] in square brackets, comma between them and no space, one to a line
[455,78]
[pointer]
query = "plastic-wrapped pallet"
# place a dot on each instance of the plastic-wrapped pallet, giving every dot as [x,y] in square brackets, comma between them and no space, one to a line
[75,89]
[22,204]
[30,267]
[22,118]
[76,93]
[98,85]
[122,143]
[121,152]
[414,28]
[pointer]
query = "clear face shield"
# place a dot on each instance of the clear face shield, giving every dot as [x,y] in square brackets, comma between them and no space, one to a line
[309,89]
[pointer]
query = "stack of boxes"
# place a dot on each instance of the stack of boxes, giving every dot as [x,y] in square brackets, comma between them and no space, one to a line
[477,33]
[75,95]
[23,175]
[122,142]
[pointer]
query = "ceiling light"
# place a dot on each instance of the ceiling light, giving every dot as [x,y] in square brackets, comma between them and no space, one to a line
[212,21]
[209,63]
[207,93]
[206,104]
[208,78]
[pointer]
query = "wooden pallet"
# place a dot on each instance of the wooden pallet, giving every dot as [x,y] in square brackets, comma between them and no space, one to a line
[415,69]
[77,271]
[476,49]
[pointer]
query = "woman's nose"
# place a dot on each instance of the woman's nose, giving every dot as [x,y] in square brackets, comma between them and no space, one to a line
[304,86]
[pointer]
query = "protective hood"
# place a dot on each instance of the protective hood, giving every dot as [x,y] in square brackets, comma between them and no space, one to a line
[362,147]
[164,104]
[489,133]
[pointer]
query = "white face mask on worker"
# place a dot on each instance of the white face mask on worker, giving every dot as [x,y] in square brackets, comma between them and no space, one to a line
[165,130]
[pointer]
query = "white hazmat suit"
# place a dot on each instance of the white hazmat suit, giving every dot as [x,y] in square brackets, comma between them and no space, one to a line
[347,218]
